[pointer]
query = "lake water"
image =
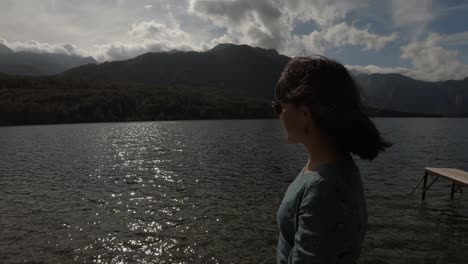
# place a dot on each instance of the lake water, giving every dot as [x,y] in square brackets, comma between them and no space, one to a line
[208,192]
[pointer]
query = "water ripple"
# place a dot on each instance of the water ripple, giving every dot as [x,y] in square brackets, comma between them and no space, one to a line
[208,192]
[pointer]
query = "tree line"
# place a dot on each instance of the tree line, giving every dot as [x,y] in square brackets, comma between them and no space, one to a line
[58,99]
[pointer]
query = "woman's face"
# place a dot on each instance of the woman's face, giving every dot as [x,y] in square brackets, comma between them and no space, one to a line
[294,120]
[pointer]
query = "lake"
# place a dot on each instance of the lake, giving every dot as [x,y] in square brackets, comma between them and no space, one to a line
[207,191]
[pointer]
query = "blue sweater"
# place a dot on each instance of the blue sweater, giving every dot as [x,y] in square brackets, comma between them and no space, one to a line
[323,216]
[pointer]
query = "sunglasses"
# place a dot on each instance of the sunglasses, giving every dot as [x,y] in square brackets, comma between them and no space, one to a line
[277,106]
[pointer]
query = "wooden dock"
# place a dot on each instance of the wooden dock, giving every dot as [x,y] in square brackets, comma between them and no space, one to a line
[459,178]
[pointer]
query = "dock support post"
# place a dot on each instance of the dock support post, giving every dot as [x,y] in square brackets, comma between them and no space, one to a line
[424,186]
[415,187]
[453,190]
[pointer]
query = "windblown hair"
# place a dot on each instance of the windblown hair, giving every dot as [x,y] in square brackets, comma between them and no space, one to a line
[336,103]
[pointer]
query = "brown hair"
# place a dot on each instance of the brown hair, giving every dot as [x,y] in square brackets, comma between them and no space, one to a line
[335,100]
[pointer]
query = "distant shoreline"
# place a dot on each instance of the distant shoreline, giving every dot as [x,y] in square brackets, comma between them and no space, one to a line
[214,119]
[60,100]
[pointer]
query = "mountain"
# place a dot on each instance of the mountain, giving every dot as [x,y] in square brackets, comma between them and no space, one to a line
[29,63]
[4,50]
[253,72]
[401,93]
[237,69]
[27,100]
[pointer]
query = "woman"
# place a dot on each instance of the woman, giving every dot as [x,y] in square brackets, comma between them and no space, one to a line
[323,215]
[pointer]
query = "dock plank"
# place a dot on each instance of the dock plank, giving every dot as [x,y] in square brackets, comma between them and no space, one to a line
[454,174]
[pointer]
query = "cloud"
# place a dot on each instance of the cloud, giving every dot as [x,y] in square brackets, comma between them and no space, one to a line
[313,43]
[269,24]
[122,51]
[371,69]
[257,23]
[323,12]
[198,24]
[457,7]
[40,47]
[84,23]
[117,30]
[433,62]
[339,35]
[148,36]
[460,38]
[158,31]
[142,37]
[413,15]
[411,12]
[342,34]
[430,60]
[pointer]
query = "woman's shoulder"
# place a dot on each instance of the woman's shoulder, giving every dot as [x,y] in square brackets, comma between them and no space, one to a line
[329,180]
[324,177]
[334,173]
[315,184]
[319,193]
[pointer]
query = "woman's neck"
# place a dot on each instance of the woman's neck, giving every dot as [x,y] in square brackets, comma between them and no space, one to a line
[323,155]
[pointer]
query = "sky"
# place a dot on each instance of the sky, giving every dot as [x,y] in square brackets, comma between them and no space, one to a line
[423,39]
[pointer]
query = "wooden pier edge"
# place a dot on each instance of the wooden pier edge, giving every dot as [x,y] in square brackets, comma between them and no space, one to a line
[458,177]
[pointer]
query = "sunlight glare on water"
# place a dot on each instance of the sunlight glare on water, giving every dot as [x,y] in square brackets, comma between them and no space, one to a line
[208,192]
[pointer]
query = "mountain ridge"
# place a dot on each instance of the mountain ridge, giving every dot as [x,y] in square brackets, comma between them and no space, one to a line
[253,71]
[242,70]
[5,50]
[36,64]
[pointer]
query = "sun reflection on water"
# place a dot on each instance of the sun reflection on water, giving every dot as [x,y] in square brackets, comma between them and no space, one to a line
[143,201]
